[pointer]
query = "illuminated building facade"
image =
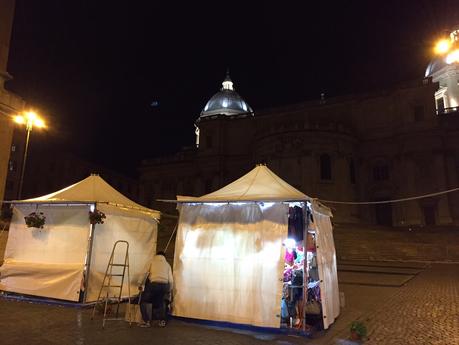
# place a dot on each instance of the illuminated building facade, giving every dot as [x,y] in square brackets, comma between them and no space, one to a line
[444,71]
[369,147]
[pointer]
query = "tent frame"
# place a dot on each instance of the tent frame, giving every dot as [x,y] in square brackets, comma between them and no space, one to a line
[88,257]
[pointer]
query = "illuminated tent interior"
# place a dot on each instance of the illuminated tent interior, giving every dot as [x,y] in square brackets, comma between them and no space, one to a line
[67,259]
[240,255]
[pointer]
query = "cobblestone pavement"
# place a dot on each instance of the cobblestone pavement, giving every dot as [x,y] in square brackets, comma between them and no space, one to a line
[425,311]
[422,312]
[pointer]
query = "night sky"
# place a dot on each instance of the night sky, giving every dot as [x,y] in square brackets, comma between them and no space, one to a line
[94,68]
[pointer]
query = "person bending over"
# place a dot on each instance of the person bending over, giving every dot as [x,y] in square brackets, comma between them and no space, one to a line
[158,285]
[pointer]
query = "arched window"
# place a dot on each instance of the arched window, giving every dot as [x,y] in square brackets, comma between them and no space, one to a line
[325,167]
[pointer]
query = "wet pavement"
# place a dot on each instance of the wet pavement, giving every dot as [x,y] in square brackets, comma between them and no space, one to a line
[424,310]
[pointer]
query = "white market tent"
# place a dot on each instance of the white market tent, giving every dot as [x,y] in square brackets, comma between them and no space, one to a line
[55,261]
[229,257]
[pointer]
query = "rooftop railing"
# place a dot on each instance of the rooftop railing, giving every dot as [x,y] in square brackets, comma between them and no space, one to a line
[449,110]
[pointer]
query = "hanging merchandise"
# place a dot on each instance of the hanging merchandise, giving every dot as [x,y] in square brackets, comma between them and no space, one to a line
[297,285]
[299,261]
[310,242]
[313,272]
[290,256]
[313,307]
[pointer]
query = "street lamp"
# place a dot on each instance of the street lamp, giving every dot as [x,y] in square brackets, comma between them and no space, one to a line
[448,47]
[29,119]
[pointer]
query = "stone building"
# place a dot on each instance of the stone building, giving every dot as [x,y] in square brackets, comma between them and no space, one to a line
[10,104]
[392,144]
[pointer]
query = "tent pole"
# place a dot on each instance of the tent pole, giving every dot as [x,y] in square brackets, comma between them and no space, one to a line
[305,262]
[88,260]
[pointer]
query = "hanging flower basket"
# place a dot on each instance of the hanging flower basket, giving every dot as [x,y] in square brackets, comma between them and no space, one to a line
[35,220]
[96,217]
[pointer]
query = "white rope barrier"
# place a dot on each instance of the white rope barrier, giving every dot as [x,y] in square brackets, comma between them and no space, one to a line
[389,201]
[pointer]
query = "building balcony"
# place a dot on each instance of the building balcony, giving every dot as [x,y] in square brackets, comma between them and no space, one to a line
[447,111]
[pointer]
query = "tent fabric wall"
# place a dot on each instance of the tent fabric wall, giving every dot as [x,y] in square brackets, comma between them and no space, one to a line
[229,261]
[326,260]
[138,229]
[47,262]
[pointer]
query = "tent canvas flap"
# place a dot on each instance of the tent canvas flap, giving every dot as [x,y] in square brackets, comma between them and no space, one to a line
[326,260]
[227,267]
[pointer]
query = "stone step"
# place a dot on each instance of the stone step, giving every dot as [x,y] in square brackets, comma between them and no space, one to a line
[379,243]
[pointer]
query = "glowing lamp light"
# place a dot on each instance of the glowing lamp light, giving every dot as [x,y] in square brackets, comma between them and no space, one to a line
[19,119]
[39,123]
[32,116]
[442,46]
[453,57]
[30,119]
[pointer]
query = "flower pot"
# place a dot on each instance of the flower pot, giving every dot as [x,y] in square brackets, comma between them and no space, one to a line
[355,336]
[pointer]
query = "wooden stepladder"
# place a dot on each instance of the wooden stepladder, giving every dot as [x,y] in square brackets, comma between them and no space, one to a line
[113,281]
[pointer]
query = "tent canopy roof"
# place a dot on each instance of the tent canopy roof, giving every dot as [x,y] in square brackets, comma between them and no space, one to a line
[92,189]
[259,184]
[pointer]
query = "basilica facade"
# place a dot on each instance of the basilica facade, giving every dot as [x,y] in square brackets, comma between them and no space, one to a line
[393,144]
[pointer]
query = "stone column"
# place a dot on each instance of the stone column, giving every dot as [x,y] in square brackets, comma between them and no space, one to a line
[453,182]
[443,210]
[453,88]
[411,209]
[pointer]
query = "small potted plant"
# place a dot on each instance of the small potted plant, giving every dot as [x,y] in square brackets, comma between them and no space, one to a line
[96,217]
[35,220]
[358,331]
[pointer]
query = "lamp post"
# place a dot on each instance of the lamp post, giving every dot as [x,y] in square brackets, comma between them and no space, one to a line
[29,119]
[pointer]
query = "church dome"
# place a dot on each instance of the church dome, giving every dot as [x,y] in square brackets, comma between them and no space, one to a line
[226,102]
[434,66]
